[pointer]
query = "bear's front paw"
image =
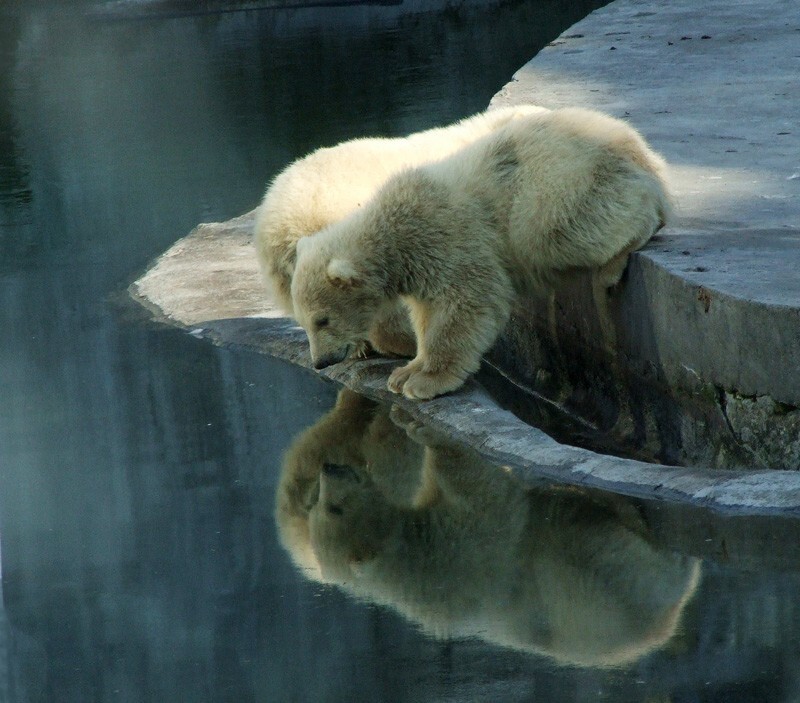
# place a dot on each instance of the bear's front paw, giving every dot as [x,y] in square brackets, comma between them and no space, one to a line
[423,385]
[399,376]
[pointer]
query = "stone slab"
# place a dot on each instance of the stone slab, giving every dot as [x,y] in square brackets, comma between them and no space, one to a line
[209,284]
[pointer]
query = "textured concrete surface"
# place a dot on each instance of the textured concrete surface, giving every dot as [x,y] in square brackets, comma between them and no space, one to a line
[694,359]
[711,309]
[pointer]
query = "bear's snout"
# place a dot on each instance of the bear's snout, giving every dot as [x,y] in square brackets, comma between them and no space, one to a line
[323,362]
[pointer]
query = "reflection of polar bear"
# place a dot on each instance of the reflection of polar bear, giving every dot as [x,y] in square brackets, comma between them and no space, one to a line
[517,209]
[356,432]
[556,571]
[331,183]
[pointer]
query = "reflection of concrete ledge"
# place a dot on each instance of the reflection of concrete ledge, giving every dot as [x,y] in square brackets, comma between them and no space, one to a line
[697,357]
[208,283]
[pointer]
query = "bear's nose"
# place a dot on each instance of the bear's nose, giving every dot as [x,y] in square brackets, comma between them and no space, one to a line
[331,358]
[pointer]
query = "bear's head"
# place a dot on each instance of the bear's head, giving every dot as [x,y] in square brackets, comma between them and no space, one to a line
[335,301]
[349,523]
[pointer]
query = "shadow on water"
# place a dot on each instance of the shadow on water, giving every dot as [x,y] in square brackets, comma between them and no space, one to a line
[141,560]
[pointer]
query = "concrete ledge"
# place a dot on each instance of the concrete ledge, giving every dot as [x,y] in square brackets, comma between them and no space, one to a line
[184,288]
[697,358]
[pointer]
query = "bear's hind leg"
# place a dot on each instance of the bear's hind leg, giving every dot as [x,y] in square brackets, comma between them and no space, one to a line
[610,273]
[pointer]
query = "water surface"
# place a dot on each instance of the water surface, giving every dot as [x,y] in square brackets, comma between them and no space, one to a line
[141,560]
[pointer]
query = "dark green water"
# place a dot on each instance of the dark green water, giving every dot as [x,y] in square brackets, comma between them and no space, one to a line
[138,465]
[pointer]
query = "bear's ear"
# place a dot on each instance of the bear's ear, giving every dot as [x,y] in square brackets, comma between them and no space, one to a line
[342,274]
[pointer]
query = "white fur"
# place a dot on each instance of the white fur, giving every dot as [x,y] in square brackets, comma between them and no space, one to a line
[332,182]
[454,240]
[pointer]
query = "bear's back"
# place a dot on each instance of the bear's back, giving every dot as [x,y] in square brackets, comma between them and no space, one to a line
[587,188]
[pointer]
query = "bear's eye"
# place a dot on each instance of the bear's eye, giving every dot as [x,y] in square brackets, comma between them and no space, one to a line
[322,322]
[335,510]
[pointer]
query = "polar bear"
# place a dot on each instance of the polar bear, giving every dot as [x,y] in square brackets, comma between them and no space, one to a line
[454,240]
[330,183]
[559,571]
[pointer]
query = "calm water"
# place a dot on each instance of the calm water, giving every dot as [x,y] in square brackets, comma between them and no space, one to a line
[141,560]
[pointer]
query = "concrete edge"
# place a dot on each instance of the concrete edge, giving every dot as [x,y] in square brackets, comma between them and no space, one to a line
[470,416]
